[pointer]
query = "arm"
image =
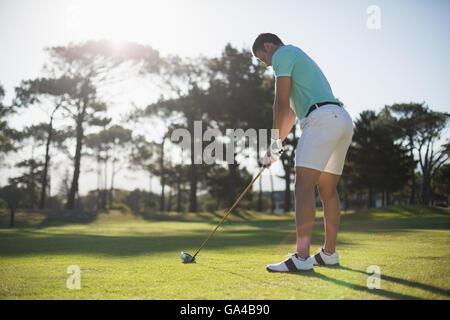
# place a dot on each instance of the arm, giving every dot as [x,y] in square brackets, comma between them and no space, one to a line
[283,115]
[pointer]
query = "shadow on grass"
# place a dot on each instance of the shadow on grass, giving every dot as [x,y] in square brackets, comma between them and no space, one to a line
[379,292]
[392,218]
[213,217]
[259,233]
[45,219]
[404,282]
[32,242]
[351,224]
[416,210]
[56,221]
[397,219]
[248,233]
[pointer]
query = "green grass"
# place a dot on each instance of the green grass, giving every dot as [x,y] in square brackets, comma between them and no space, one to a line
[127,257]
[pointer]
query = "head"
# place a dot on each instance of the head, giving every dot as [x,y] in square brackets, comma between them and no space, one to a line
[265,46]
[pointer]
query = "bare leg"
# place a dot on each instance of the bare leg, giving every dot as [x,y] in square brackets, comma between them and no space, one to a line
[305,208]
[332,212]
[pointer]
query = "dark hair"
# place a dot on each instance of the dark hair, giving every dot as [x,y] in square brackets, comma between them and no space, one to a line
[262,38]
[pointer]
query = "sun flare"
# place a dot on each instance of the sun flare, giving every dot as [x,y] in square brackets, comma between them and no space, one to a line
[121,20]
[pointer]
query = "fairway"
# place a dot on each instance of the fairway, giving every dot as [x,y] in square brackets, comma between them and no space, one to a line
[127,257]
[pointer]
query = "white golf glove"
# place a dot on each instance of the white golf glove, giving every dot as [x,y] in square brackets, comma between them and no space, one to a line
[273,153]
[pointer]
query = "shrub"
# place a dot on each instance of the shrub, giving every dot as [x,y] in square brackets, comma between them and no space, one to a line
[3,204]
[122,207]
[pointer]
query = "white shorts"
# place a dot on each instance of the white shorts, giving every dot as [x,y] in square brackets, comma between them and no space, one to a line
[326,135]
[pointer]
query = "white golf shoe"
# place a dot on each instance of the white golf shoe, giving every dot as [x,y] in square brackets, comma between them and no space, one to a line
[292,264]
[324,259]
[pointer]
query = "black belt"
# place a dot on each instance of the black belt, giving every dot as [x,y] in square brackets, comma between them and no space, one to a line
[318,105]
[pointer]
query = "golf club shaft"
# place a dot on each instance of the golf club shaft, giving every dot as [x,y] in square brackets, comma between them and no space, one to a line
[231,209]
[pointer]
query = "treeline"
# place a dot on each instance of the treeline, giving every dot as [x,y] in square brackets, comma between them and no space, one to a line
[396,153]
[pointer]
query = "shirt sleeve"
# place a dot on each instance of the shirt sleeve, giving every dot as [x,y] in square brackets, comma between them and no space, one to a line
[283,64]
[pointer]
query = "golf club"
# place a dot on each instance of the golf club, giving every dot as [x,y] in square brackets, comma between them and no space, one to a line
[188,258]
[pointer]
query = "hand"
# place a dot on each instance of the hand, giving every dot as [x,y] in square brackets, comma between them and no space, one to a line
[273,153]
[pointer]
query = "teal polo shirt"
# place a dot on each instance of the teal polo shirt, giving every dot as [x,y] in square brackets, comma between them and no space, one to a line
[308,83]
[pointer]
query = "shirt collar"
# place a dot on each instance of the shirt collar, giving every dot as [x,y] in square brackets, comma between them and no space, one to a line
[278,50]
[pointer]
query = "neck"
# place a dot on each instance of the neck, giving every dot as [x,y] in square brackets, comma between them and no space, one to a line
[277,47]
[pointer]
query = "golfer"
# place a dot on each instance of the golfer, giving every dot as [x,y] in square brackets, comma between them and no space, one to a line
[303,92]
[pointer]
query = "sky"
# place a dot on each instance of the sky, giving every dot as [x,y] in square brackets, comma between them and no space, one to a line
[404,59]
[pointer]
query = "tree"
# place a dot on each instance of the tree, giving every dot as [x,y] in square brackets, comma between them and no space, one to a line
[176,179]
[12,194]
[408,114]
[238,99]
[29,180]
[95,142]
[109,146]
[162,171]
[396,165]
[44,134]
[422,129]
[54,92]
[190,104]
[217,183]
[441,183]
[431,160]
[361,153]
[262,119]
[37,134]
[92,64]
[376,161]
[144,157]
[8,136]
[118,141]
[288,163]
[38,170]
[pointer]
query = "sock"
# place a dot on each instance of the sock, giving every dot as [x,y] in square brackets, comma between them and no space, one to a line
[326,253]
[299,258]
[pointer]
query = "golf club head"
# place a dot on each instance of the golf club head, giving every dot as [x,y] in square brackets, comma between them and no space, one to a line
[186,257]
